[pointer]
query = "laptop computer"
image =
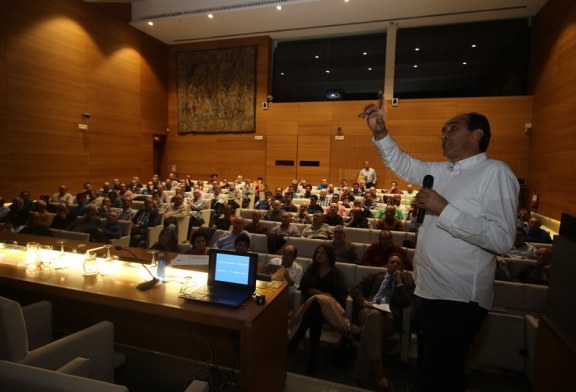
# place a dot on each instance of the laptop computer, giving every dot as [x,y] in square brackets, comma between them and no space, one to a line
[231,279]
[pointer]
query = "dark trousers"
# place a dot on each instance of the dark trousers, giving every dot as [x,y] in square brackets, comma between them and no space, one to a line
[313,320]
[448,329]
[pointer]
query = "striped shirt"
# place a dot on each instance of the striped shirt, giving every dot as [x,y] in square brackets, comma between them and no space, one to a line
[455,254]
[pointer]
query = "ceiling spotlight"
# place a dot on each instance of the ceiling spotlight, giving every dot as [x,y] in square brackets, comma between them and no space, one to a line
[279,7]
[334,95]
[150,23]
[211,16]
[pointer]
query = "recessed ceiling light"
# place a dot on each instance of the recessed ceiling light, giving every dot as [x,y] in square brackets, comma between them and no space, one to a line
[416,49]
[150,23]
[282,73]
[279,7]
[415,65]
[211,16]
[365,53]
[369,68]
[316,57]
[327,71]
[473,45]
[464,63]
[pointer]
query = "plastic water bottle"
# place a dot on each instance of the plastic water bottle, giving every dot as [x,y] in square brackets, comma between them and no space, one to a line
[161,268]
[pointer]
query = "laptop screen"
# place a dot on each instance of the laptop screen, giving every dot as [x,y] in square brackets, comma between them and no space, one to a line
[232,269]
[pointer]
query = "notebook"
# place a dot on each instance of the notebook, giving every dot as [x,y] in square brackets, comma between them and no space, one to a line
[231,279]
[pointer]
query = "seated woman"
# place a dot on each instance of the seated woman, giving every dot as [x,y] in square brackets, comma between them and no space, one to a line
[322,278]
[167,240]
[199,241]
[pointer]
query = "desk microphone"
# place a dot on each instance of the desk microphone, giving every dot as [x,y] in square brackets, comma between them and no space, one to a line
[426,184]
[149,284]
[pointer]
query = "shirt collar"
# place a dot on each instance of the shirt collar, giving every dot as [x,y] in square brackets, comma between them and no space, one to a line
[457,167]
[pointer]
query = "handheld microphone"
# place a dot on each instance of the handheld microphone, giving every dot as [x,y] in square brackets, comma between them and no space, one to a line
[149,284]
[426,184]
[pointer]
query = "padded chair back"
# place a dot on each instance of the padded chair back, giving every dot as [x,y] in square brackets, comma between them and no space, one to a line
[13,335]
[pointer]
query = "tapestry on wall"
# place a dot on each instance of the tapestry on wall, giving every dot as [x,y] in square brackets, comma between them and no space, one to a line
[217,90]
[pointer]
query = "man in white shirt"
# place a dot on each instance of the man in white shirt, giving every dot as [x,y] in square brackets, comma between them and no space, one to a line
[292,271]
[368,174]
[470,218]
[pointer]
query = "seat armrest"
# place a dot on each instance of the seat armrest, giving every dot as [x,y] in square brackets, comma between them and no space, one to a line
[153,235]
[38,319]
[78,367]
[123,241]
[95,343]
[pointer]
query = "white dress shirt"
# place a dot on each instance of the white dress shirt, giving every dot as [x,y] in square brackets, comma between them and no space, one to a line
[455,254]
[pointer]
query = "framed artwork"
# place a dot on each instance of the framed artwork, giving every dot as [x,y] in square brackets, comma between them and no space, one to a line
[217,90]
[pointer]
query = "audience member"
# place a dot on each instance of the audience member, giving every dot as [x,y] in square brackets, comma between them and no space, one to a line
[226,240]
[115,200]
[322,185]
[412,217]
[196,204]
[302,216]
[80,208]
[524,216]
[394,188]
[242,243]
[321,279]
[62,196]
[144,218]
[368,174]
[27,199]
[536,234]
[314,206]
[357,219]
[167,241]
[395,288]
[4,211]
[111,229]
[538,272]
[377,254]
[275,213]
[286,228]
[63,219]
[278,195]
[344,251]
[389,221]
[226,219]
[176,212]
[36,226]
[255,226]
[409,190]
[318,229]
[323,199]
[128,213]
[17,217]
[266,203]
[288,206]
[521,250]
[369,202]
[40,207]
[199,241]
[89,223]
[332,218]
[104,208]
[163,197]
[292,271]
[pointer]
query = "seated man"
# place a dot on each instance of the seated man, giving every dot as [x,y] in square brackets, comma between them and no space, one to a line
[175,212]
[226,240]
[225,220]
[62,196]
[111,229]
[535,234]
[63,219]
[288,206]
[314,207]
[393,287]
[81,204]
[292,271]
[521,250]
[128,213]
[344,250]
[89,223]
[40,207]
[332,218]
[357,219]
[196,204]
[538,272]
[377,254]
[318,229]
[286,228]
[242,243]
[274,214]
[389,221]
[146,217]
[266,203]
[35,225]
[302,216]
[255,226]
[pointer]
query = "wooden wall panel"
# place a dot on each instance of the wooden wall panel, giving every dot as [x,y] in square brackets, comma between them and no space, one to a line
[313,148]
[280,148]
[551,165]
[64,59]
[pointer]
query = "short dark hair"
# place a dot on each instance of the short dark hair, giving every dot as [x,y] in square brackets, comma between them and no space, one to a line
[479,121]
[243,237]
